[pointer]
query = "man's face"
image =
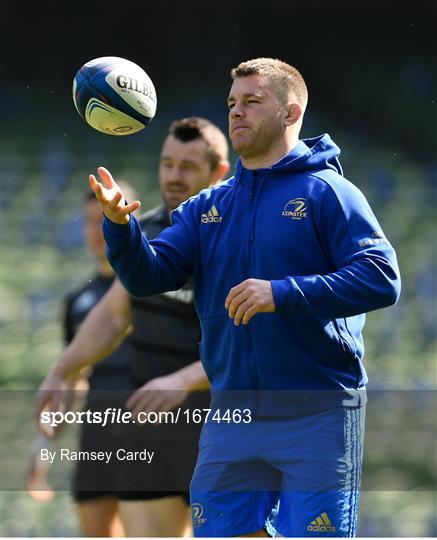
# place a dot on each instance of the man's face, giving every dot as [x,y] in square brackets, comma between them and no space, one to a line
[93,229]
[256,118]
[184,170]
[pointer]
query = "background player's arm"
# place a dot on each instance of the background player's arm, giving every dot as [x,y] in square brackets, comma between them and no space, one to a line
[166,393]
[99,334]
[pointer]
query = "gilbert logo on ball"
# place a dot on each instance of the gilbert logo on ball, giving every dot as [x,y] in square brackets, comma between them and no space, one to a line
[114,95]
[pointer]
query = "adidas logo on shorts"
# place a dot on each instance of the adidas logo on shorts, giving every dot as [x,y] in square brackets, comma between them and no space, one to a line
[322,524]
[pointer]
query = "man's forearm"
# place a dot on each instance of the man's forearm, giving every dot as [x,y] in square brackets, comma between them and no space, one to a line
[193,377]
[98,335]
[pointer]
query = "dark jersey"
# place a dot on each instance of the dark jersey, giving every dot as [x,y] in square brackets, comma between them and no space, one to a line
[166,329]
[114,371]
[165,337]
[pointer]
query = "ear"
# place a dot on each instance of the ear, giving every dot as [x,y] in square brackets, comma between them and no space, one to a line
[294,112]
[219,173]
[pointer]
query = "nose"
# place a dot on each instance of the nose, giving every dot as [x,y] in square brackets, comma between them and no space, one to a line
[236,111]
[174,174]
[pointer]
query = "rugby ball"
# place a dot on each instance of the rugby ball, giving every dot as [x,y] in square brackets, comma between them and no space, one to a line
[114,95]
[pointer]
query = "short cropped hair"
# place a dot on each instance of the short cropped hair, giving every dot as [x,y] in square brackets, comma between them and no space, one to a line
[195,127]
[284,78]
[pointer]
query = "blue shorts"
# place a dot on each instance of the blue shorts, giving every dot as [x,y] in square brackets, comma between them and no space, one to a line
[293,476]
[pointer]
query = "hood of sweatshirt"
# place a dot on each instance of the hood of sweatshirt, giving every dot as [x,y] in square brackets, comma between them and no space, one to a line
[314,154]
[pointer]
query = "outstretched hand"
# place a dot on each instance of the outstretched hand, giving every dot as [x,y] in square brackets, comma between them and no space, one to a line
[110,197]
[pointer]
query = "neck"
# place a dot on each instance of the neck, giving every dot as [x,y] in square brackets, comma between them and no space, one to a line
[105,269]
[272,155]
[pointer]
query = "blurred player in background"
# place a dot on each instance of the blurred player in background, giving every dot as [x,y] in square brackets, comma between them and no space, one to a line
[97,509]
[287,256]
[165,336]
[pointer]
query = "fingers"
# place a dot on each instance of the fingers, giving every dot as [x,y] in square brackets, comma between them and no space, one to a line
[134,398]
[241,313]
[111,198]
[142,400]
[47,400]
[235,291]
[238,301]
[116,199]
[56,401]
[46,430]
[103,197]
[146,402]
[248,298]
[106,176]
[132,207]
[40,402]
[94,185]
[249,313]
[148,405]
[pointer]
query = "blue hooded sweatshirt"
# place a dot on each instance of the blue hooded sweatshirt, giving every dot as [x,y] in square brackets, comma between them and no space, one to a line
[299,224]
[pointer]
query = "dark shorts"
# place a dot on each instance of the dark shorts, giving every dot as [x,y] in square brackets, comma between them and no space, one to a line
[131,481]
[168,473]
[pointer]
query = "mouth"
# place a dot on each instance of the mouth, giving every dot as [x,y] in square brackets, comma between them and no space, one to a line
[239,128]
[175,187]
[175,190]
[176,193]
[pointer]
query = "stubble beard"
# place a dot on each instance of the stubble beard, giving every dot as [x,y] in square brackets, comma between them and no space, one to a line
[257,145]
[170,205]
[246,147]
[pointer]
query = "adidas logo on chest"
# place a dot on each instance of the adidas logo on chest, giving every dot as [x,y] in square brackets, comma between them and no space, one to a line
[212,216]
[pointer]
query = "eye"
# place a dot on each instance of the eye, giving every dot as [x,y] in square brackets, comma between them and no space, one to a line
[188,166]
